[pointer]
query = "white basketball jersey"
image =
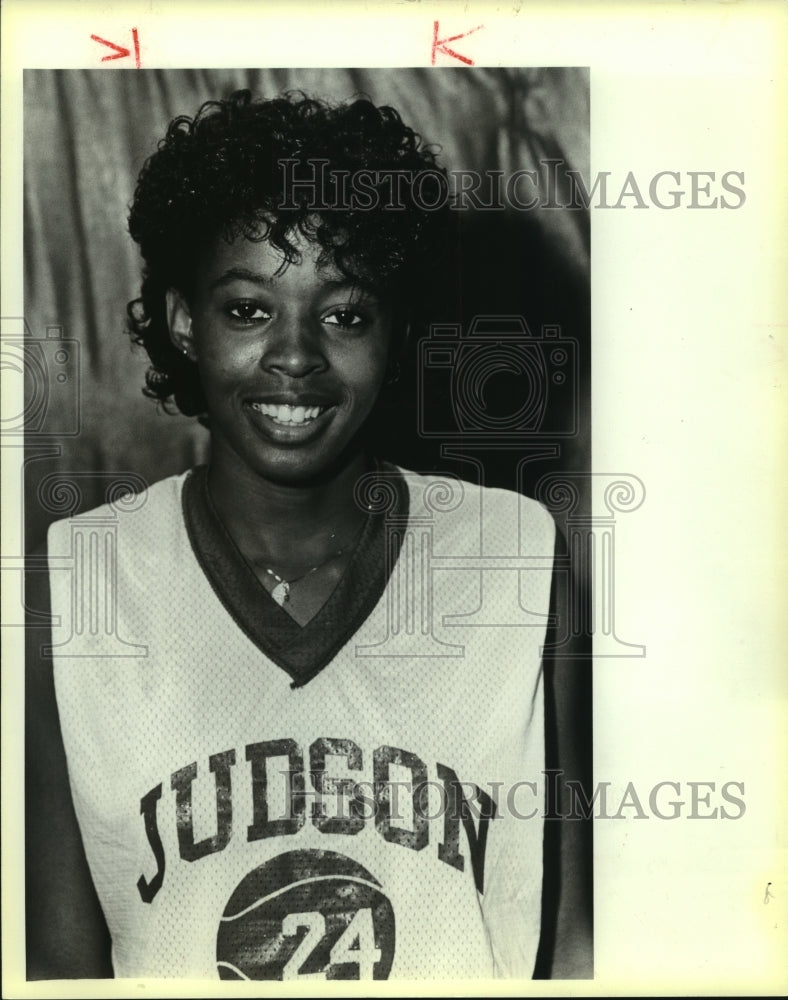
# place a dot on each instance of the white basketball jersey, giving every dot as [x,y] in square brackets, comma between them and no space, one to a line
[359,798]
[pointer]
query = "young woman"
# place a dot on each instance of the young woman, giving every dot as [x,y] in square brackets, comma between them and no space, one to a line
[318,759]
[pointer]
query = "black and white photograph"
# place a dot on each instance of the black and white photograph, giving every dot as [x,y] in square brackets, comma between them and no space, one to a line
[319,644]
[393,434]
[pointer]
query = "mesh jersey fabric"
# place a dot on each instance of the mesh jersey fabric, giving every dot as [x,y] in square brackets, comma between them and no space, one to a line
[381,820]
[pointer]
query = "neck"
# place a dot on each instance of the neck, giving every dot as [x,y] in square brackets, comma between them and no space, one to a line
[282,522]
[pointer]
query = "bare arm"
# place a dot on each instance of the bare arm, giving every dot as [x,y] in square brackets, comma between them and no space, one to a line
[67,936]
[566,948]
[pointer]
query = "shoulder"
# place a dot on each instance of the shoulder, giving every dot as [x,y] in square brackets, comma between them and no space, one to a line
[156,506]
[460,501]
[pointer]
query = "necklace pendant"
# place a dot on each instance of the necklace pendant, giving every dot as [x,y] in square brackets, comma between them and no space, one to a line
[281,593]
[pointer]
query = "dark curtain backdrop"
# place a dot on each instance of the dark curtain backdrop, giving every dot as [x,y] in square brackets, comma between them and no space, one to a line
[88,132]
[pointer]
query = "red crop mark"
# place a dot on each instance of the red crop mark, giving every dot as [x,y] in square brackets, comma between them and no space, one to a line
[439,44]
[120,50]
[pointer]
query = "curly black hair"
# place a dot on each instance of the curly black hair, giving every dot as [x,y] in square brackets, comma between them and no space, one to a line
[221,174]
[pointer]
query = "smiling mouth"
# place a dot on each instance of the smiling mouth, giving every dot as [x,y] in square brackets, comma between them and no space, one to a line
[289,416]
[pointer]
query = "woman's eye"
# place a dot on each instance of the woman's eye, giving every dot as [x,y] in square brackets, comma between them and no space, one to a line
[247,312]
[345,318]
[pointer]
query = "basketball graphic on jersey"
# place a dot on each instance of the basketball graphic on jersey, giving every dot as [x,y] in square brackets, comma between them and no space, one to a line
[307,915]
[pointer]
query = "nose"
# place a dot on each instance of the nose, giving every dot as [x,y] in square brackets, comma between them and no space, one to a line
[292,347]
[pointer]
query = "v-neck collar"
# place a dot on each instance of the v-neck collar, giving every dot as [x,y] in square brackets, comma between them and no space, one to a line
[300,650]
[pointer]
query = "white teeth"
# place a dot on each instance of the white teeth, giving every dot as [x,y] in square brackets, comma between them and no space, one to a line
[285,414]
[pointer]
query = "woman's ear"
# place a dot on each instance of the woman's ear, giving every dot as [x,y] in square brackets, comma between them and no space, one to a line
[397,355]
[401,344]
[406,339]
[179,322]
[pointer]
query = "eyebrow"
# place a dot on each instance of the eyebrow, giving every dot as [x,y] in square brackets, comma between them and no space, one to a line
[239,274]
[243,274]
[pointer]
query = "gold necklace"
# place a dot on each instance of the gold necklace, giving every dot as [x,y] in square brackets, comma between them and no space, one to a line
[281,591]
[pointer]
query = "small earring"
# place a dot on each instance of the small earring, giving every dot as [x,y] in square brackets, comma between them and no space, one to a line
[394,373]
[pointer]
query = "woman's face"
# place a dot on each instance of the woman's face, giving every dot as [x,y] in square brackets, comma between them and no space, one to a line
[291,363]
